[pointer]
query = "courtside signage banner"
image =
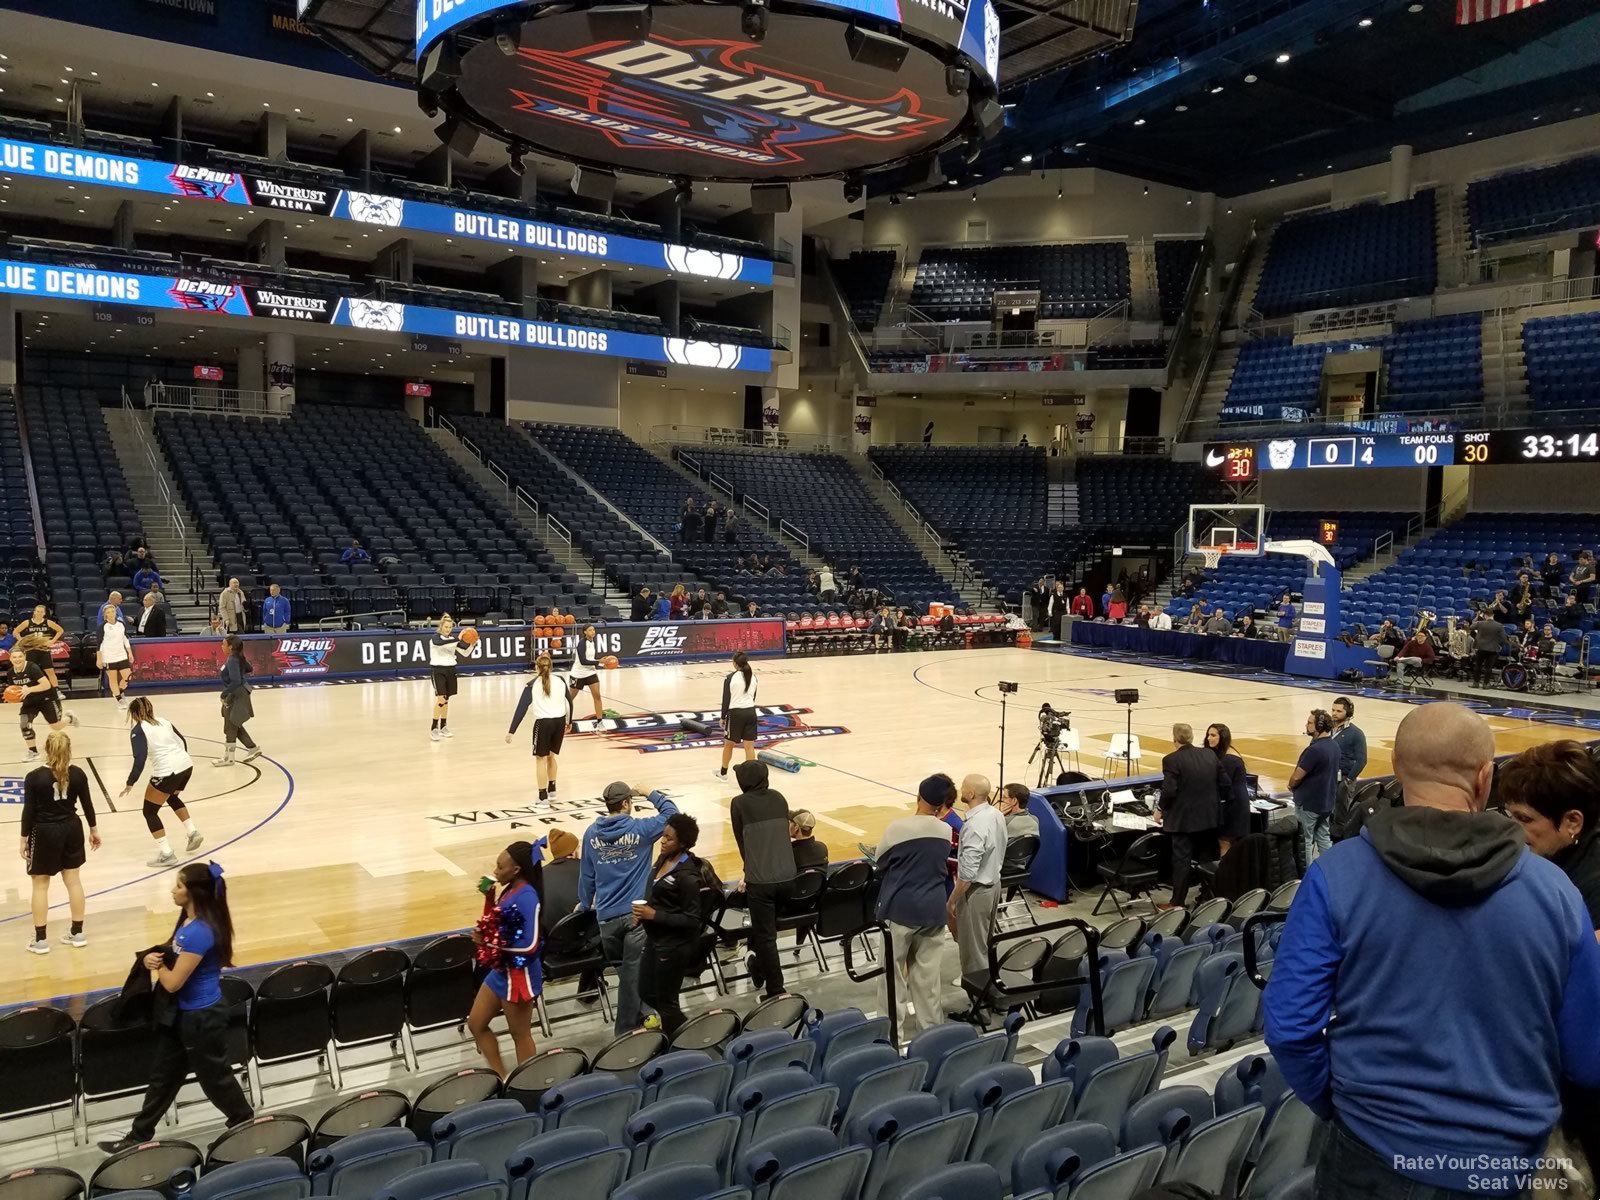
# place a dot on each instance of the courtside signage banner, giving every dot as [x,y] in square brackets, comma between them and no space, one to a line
[372,208]
[183,294]
[309,656]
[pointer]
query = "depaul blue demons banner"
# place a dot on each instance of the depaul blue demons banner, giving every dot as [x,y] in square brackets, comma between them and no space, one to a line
[372,208]
[212,296]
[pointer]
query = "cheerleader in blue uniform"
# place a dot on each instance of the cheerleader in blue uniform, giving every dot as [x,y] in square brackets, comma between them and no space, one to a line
[507,937]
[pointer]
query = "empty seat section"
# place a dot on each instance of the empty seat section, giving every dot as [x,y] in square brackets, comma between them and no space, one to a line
[84,501]
[1350,256]
[279,502]
[957,283]
[864,279]
[822,495]
[1563,360]
[1538,200]
[652,493]
[22,582]
[1175,263]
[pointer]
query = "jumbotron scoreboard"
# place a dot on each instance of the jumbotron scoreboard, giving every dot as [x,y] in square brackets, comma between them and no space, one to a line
[1241,461]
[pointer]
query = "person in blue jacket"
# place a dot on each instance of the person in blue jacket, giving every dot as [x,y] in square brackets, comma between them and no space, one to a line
[613,872]
[663,608]
[275,611]
[1434,983]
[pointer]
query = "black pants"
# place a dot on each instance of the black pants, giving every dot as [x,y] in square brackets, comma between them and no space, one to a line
[1348,1167]
[1182,848]
[236,733]
[763,900]
[1055,626]
[1484,663]
[661,975]
[196,1042]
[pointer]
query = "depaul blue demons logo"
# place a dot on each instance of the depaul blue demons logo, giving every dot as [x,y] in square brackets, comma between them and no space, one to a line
[710,98]
[655,733]
[303,655]
[11,790]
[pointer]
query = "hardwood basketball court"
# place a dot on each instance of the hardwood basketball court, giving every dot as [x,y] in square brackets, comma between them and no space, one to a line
[355,829]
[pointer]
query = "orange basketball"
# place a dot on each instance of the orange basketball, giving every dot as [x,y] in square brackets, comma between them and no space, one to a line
[14,692]
[469,636]
[609,662]
[568,619]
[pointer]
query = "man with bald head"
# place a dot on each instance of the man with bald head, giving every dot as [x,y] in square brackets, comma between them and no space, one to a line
[979,855]
[1434,981]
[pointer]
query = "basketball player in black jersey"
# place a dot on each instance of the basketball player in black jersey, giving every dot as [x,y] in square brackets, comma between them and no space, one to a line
[36,636]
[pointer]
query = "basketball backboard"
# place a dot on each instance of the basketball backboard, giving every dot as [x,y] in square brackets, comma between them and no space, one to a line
[1227,529]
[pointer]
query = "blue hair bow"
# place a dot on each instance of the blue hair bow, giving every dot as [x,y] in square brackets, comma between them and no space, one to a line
[216,874]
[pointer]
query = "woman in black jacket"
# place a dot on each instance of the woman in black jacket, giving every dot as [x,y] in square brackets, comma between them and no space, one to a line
[671,920]
[236,706]
[1235,794]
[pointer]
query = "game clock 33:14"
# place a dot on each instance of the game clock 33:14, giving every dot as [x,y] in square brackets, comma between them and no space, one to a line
[1582,445]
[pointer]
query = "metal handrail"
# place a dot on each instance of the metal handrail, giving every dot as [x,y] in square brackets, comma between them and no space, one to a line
[721,484]
[349,619]
[751,504]
[796,533]
[689,461]
[561,532]
[519,496]
[240,402]
[495,469]
[1229,298]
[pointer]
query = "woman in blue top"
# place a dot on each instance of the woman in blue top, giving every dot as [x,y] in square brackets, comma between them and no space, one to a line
[507,938]
[194,1037]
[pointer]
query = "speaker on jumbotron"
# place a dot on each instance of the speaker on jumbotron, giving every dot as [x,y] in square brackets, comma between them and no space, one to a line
[875,49]
[769,198]
[441,66]
[619,22]
[458,135]
[593,184]
[989,116]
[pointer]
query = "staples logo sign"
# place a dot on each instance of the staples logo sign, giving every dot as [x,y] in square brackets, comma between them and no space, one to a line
[662,639]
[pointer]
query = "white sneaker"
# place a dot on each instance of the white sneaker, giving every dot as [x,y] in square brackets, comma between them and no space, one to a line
[122,701]
[31,756]
[39,947]
[720,777]
[446,732]
[196,840]
[433,736]
[252,754]
[74,939]
[169,859]
[72,719]
[225,761]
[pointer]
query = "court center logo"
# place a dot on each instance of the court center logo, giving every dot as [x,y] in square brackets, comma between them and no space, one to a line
[11,790]
[656,733]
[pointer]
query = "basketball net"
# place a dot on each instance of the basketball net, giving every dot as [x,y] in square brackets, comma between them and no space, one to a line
[1213,555]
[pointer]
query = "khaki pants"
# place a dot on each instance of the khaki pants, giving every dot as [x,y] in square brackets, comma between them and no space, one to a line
[974,924]
[918,954]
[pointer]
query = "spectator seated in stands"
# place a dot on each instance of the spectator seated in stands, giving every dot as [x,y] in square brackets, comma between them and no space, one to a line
[1386,635]
[808,851]
[355,553]
[1219,625]
[719,607]
[1569,615]
[752,610]
[1245,626]
[140,560]
[144,579]
[1162,621]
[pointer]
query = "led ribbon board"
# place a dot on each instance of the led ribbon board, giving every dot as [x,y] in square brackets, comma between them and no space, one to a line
[694,96]
[371,208]
[182,294]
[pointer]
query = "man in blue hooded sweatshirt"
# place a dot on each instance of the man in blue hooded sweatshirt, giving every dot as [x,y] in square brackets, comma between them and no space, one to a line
[1434,982]
[613,872]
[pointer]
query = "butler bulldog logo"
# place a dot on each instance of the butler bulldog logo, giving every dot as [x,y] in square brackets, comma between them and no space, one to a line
[372,209]
[711,264]
[656,733]
[701,354]
[708,97]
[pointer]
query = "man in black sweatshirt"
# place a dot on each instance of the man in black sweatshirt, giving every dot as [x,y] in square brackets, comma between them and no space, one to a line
[760,818]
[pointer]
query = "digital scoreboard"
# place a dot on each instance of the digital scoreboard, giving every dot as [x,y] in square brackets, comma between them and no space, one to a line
[1238,462]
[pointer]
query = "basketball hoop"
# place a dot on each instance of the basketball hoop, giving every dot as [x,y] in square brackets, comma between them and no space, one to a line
[1213,555]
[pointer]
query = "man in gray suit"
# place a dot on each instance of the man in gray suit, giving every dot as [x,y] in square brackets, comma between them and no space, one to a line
[1488,639]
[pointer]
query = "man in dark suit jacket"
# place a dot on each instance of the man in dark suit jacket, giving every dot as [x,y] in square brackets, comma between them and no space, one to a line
[152,619]
[1191,783]
[1059,604]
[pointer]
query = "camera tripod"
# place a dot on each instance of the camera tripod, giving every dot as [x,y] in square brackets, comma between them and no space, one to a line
[1051,766]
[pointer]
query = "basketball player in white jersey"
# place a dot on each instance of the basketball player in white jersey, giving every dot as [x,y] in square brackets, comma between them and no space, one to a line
[171,768]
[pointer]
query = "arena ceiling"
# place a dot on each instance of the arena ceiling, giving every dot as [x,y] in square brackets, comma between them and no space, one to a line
[1235,95]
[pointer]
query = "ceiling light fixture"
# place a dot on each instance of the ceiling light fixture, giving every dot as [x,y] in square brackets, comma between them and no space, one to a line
[1250,78]
[1027,158]
[1282,58]
[1137,121]
[1181,108]
[1216,90]
[1364,23]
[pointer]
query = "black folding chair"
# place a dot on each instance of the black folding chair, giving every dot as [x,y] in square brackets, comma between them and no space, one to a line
[368,1003]
[37,1061]
[1014,870]
[571,949]
[114,1056]
[440,987]
[1135,872]
[291,1020]
[799,910]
